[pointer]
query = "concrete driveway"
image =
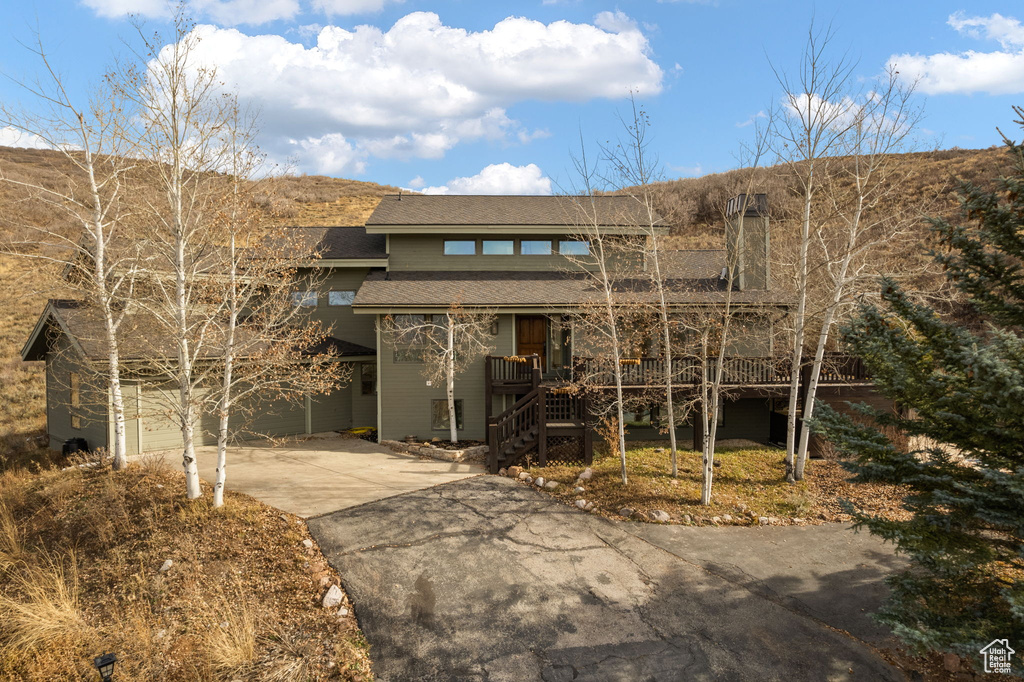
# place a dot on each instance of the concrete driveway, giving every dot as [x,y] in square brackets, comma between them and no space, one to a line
[486,579]
[320,475]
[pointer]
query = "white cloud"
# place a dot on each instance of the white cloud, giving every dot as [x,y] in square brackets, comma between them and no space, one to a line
[499,178]
[418,182]
[224,12]
[752,119]
[419,88]
[1000,72]
[333,7]
[614,22]
[12,137]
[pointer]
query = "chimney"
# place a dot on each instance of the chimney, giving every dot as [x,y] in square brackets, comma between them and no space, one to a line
[746,241]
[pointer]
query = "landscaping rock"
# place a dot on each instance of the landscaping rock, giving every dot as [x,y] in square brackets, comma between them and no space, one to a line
[523,476]
[727,518]
[503,471]
[774,520]
[515,472]
[342,612]
[166,566]
[659,516]
[659,450]
[528,479]
[687,519]
[578,489]
[551,485]
[333,597]
[717,463]
[307,543]
[582,504]
[951,662]
[587,474]
[716,520]
[590,505]
[763,520]
[539,481]
[626,512]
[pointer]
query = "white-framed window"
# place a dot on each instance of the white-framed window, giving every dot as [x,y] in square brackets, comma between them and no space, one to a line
[340,297]
[304,299]
[574,247]
[460,247]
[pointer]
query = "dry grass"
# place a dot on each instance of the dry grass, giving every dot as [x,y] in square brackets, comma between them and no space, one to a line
[749,484]
[81,552]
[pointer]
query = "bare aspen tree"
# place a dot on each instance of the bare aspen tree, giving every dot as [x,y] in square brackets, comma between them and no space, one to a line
[96,259]
[599,320]
[863,222]
[805,135]
[447,344]
[270,347]
[636,168]
[182,113]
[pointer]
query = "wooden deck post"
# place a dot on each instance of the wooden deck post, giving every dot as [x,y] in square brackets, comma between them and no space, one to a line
[542,426]
[488,390]
[492,442]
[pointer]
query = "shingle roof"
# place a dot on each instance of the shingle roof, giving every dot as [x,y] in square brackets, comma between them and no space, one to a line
[86,330]
[345,242]
[490,289]
[414,209]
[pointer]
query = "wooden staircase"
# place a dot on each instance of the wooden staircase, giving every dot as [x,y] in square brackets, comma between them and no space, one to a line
[525,427]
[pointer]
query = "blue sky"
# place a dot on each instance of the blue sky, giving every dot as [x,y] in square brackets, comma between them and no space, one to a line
[467,96]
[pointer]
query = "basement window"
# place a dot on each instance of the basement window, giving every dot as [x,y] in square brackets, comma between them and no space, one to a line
[439,415]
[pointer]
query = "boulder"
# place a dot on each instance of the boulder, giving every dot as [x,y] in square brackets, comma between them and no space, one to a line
[523,475]
[582,504]
[539,481]
[727,518]
[514,472]
[587,474]
[658,516]
[551,485]
[333,597]
[503,471]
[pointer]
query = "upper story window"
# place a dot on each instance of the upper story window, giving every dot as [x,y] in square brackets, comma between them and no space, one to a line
[499,247]
[340,297]
[460,247]
[574,247]
[304,299]
[535,247]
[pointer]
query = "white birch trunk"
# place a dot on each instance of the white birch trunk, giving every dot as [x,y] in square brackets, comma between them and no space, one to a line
[453,425]
[796,359]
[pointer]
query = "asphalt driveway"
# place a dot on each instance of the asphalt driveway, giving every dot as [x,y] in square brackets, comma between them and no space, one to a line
[486,579]
[319,475]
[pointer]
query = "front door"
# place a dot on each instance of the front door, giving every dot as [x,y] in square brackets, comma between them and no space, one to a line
[532,337]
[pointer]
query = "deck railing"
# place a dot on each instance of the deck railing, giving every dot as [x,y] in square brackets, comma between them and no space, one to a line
[837,368]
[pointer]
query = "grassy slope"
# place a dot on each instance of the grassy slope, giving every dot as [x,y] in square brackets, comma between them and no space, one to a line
[80,558]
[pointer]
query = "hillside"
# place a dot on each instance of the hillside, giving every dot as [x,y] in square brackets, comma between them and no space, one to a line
[693,206]
[292,200]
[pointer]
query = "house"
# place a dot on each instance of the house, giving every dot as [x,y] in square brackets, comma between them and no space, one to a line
[522,257]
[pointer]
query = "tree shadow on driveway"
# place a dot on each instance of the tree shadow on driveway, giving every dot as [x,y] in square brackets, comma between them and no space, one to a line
[486,579]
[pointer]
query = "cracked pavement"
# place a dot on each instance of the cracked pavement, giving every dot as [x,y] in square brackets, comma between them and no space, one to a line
[487,579]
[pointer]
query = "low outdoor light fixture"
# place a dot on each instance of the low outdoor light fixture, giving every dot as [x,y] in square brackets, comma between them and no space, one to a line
[105,664]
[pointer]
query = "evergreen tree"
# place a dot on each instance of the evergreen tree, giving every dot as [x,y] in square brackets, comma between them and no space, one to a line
[961,390]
